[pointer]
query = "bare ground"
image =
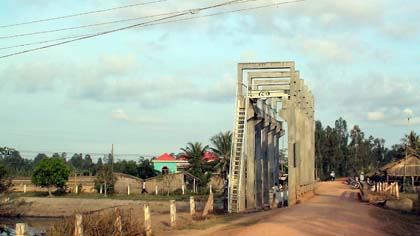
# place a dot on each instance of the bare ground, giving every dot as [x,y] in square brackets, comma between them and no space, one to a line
[334,210]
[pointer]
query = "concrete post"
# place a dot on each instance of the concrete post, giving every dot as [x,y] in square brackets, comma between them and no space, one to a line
[264,147]
[251,170]
[21,229]
[173,213]
[258,166]
[118,225]
[192,206]
[147,220]
[24,188]
[78,226]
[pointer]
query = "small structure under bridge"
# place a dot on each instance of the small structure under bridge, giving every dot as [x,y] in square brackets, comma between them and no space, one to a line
[269,94]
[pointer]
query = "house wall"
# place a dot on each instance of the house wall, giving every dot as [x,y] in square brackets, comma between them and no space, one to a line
[159,165]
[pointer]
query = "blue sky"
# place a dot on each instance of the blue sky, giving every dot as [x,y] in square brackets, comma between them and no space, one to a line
[151,90]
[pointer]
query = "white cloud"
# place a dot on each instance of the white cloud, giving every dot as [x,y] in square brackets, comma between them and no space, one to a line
[376,116]
[120,114]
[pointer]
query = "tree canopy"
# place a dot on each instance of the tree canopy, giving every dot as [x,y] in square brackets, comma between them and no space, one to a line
[51,172]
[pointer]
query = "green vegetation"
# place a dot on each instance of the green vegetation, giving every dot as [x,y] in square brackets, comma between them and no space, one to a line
[350,152]
[5,181]
[194,152]
[222,143]
[51,172]
[105,179]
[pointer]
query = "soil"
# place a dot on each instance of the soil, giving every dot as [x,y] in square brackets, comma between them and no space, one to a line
[335,209]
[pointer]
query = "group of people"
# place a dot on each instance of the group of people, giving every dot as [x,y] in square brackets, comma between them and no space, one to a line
[360,178]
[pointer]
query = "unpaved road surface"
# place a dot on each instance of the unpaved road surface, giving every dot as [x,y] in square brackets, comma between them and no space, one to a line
[334,210]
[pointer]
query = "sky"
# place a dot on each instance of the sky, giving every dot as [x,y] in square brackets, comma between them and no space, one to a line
[150,90]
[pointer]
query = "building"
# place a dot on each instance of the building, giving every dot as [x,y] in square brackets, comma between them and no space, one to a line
[168,164]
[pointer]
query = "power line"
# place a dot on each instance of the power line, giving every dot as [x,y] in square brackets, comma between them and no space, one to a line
[87,26]
[98,24]
[150,23]
[82,14]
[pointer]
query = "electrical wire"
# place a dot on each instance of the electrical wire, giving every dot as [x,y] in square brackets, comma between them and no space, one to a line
[99,24]
[81,14]
[149,23]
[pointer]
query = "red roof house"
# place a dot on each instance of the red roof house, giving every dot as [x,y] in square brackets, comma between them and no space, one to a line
[209,157]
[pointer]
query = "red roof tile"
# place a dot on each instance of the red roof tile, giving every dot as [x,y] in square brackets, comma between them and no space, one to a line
[165,157]
[209,156]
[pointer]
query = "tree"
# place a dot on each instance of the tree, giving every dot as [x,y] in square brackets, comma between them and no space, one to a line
[222,143]
[51,172]
[105,178]
[77,161]
[194,152]
[5,182]
[412,142]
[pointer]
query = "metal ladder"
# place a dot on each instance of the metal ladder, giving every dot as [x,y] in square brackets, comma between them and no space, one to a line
[236,160]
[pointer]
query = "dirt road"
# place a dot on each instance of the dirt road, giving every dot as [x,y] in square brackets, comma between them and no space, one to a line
[334,210]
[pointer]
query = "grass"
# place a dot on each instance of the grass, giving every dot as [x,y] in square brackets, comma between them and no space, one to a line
[145,197]
[102,223]
[210,222]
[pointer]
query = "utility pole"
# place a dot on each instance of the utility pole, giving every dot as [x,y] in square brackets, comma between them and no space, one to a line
[406,153]
[112,159]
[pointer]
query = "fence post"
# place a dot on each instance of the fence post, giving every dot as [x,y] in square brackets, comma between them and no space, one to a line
[270,198]
[156,190]
[24,188]
[76,188]
[147,220]
[118,225]
[128,189]
[208,209]
[173,213]
[21,229]
[183,189]
[78,227]
[192,206]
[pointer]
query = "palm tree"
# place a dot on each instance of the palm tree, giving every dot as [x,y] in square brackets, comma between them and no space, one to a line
[412,140]
[194,152]
[222,143]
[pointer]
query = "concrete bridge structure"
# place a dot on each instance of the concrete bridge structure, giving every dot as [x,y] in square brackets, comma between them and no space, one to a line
[269,96]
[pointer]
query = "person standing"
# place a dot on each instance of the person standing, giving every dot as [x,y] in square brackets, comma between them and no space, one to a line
[143,188]
[332,175]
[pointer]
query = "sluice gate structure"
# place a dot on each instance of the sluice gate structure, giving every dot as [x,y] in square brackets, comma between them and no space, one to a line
[269,95]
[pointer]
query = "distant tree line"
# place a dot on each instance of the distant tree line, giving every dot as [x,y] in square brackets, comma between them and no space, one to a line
[351,152]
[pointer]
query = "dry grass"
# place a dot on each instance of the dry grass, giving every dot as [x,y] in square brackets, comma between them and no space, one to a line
[99,224]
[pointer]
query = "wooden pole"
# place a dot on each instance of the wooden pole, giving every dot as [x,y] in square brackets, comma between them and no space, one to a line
[192,206]
[147,220]
[173,213]
[412,183]
[78,227]
[21,229]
